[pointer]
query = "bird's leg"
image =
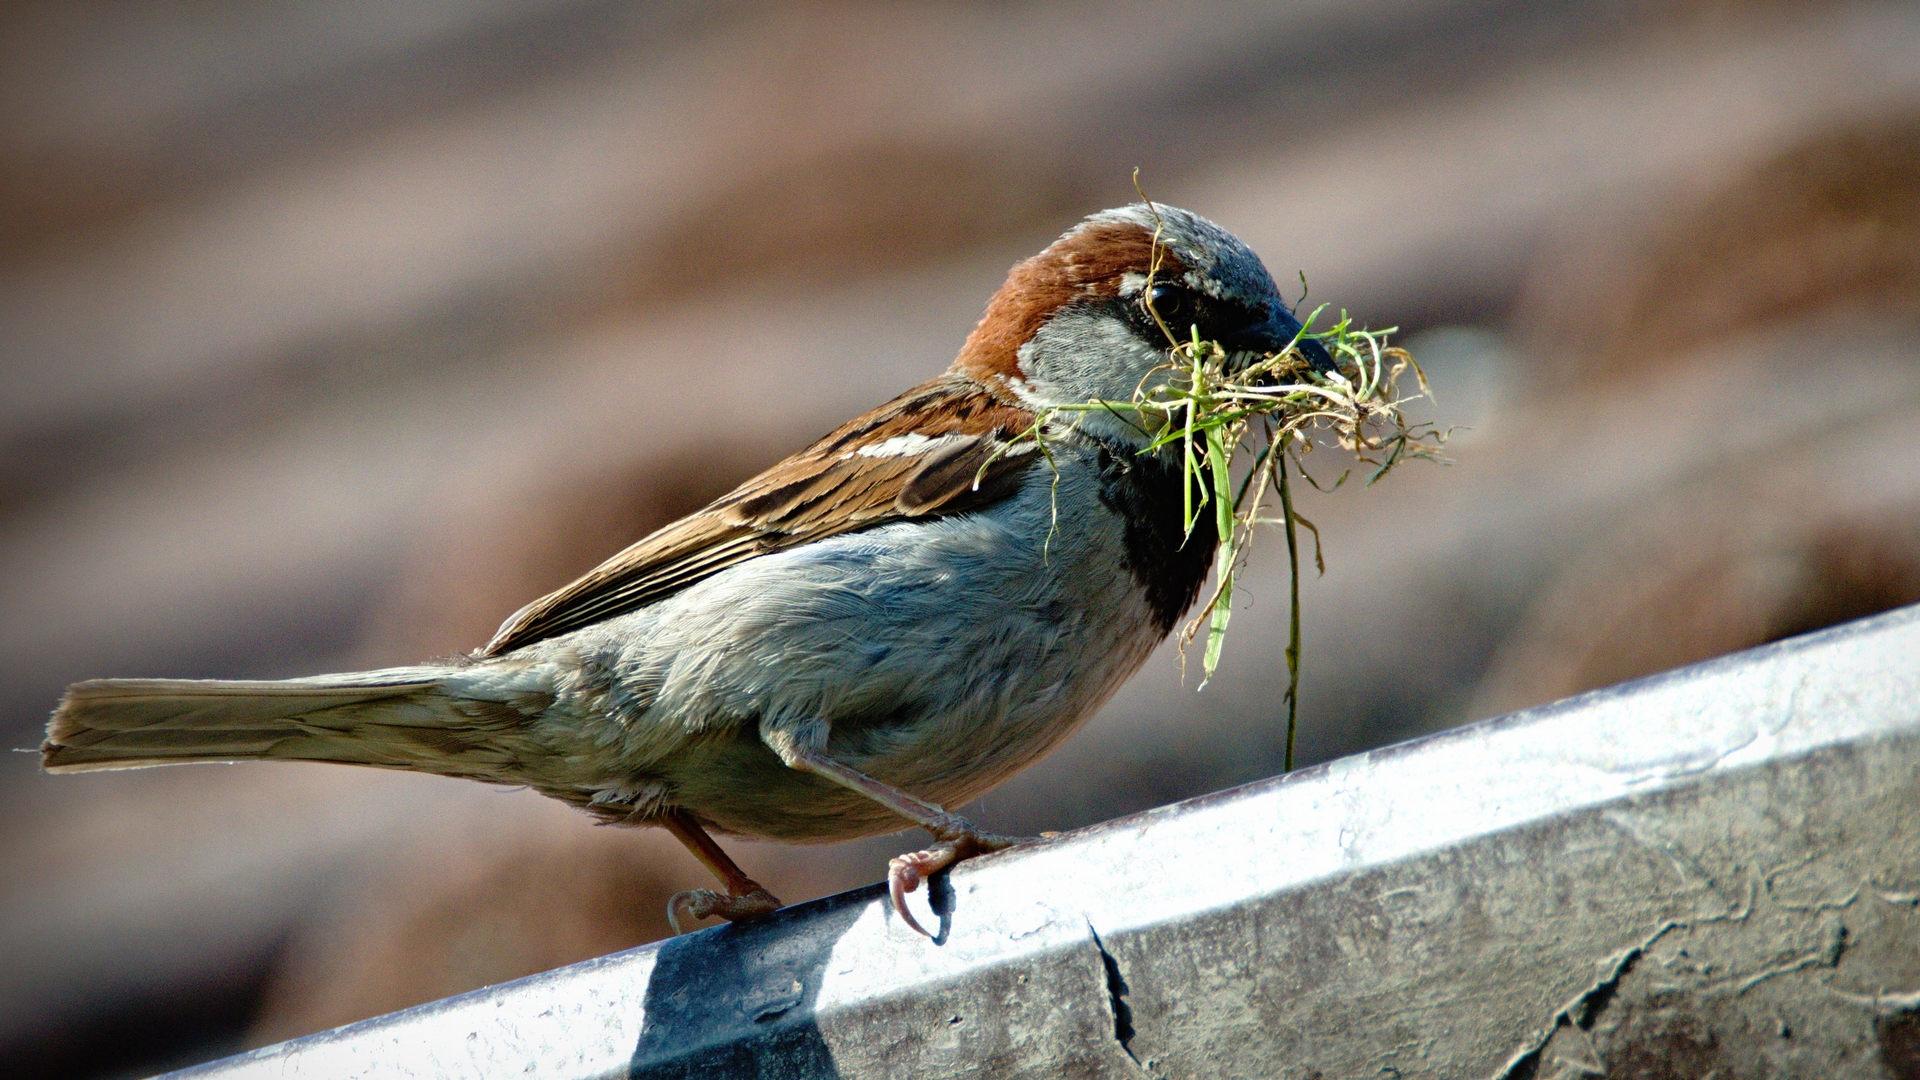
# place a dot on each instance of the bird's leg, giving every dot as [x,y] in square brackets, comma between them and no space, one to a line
[958,838]
[741,898]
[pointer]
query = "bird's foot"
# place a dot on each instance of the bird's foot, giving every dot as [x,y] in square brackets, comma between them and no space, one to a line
[957,840]
[695,904]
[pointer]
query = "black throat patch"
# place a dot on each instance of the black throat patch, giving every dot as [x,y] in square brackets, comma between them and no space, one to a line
[1169,563]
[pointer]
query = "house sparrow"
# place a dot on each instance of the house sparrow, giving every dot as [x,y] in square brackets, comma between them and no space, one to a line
[892,621]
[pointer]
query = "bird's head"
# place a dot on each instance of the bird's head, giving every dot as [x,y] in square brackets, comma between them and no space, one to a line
[1090,317]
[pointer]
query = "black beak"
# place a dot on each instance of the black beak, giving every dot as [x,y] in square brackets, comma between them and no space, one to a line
[1253,340]
[1285,328]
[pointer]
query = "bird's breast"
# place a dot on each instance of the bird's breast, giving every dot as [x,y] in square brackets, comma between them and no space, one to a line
[943,655]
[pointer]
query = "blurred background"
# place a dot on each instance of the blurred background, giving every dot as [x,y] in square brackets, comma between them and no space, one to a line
[330,334]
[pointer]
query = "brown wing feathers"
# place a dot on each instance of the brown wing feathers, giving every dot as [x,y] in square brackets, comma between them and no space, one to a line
[963,476]
[922,454]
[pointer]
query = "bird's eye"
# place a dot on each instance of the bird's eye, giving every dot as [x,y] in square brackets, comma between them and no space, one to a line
[1174,305]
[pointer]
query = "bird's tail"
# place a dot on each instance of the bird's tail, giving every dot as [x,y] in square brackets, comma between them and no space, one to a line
[401,718]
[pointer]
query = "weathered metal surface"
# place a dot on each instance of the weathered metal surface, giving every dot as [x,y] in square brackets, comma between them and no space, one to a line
[1714,871]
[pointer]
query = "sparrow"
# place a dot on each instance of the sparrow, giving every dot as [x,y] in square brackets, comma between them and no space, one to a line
[888,623]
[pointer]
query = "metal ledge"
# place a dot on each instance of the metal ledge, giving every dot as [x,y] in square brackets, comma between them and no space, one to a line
[1717,868]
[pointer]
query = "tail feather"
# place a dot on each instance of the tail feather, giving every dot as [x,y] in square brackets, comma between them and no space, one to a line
[398,718]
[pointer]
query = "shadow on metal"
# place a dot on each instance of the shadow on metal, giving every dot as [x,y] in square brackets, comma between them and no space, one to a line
[718,1002]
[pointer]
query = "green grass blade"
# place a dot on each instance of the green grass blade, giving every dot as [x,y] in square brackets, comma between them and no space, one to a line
[1221,479]
[1293,612]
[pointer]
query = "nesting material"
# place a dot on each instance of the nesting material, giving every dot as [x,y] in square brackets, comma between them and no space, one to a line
[1244,425]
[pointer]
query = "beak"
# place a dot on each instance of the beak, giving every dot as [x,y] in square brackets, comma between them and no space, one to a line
[1253,343]
[1317,355]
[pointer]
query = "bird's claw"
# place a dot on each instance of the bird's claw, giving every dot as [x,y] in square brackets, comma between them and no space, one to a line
[695,904]
[957,841]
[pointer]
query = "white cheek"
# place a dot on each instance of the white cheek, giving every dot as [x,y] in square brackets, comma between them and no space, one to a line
[1023,391]
[1085,356]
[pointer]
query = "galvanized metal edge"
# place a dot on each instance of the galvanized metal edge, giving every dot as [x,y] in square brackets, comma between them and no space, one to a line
[1024,977]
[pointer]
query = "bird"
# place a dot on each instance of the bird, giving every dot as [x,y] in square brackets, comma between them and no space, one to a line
[886,624]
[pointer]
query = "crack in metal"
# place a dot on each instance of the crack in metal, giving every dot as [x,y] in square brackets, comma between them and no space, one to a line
[1117,991]
[1584,1008]
[1882,1002]
[1827,955]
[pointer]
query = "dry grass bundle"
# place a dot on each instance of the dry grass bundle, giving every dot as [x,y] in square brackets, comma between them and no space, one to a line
[1245,426]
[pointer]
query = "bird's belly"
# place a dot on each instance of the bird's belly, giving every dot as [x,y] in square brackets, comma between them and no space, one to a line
[941,657]
[969,727]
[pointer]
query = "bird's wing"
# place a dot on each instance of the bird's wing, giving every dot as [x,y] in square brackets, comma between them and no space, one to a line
[945,447]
